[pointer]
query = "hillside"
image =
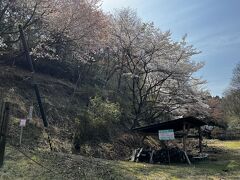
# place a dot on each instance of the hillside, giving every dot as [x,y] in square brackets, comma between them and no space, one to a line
[65,115]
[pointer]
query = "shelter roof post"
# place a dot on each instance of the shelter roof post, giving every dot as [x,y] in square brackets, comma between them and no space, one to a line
[184,136]
[200,139]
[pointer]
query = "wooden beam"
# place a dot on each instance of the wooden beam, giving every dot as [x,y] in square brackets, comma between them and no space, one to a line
[200,139]
[3,129]
[134,154]
[29,59]
[184,136]
[151,157]
[186,156]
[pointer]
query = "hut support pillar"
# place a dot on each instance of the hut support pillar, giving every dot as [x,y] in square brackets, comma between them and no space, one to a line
[185,134]
[200,139]
[184,137]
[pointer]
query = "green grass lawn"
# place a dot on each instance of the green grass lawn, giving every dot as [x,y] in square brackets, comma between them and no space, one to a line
[225,164]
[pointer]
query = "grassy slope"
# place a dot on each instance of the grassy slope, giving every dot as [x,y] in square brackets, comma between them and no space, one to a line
[16,87]
[57,166]
[224,165]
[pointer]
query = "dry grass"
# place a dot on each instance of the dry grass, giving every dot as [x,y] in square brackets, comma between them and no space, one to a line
[224,165]
[228,145]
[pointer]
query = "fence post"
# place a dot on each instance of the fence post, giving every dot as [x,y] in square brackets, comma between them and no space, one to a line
[3,129]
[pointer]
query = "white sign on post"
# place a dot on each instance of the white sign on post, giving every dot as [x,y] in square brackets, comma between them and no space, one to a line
[22,122]
[165,135]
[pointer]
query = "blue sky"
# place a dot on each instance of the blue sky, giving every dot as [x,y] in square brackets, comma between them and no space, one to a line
[212,26]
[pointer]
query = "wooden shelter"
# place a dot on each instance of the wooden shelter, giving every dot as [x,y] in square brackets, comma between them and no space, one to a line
[181,124]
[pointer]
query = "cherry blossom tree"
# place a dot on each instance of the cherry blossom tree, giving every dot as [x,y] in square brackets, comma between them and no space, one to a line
[157,70]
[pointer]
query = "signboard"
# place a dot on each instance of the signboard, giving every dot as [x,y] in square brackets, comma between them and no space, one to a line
[165,135]
[22,122]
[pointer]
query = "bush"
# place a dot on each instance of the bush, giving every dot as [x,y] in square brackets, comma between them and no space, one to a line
[98,122]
